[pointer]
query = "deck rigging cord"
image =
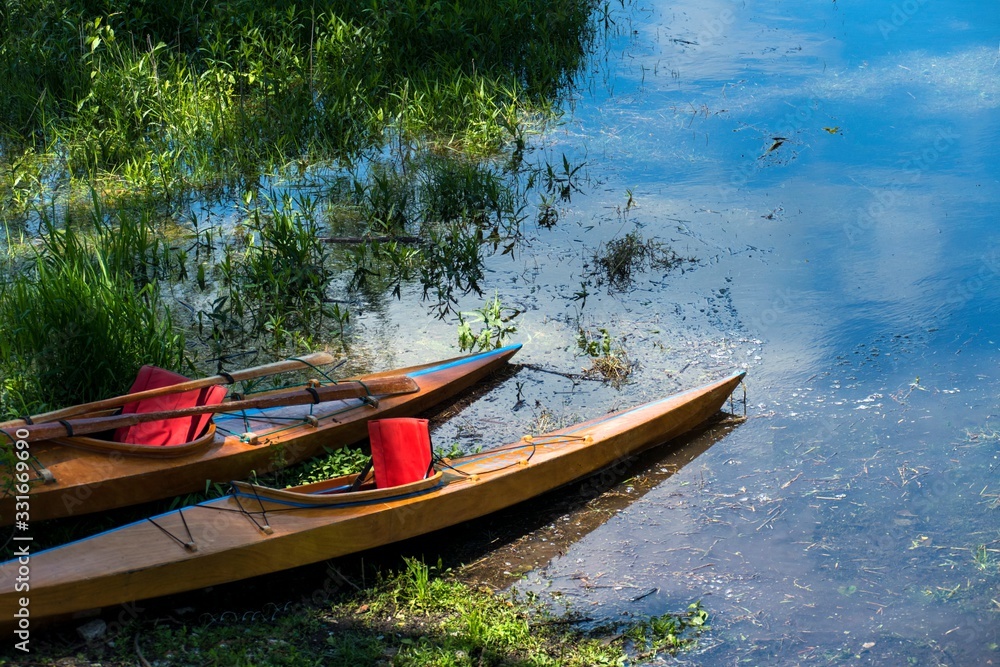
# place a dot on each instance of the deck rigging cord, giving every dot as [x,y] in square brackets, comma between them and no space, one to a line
[438,463]
[189,545]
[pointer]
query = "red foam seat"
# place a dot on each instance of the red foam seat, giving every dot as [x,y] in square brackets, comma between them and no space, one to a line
[167,432]
[401,451]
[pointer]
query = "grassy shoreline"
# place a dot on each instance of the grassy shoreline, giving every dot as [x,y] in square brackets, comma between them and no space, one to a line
[414,615]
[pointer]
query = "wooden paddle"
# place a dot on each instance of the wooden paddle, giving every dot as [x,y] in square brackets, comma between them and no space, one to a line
[383,386]
[314,359]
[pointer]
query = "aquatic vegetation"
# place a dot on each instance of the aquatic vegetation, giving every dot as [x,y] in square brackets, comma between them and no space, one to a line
[616,263]
[562,183]
[496,320]
[609,359]
[668,632]
[170,98]
[429,218]
[148,107]
[283,269]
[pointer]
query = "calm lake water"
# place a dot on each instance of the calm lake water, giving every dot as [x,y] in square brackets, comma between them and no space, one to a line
[831,167]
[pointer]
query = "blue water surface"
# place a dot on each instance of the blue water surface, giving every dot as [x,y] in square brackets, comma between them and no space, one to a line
[831,167]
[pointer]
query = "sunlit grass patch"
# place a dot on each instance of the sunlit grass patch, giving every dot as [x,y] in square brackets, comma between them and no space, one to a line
[177,98]
[416,616]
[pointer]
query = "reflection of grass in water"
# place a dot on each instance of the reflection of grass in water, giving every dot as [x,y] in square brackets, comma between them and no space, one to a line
[432,217]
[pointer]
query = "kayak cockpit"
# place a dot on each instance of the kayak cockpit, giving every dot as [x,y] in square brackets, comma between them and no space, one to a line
[401,464]
[334,491]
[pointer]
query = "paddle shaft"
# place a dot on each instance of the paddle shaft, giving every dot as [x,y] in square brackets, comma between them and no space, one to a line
[309,360]
[392,384]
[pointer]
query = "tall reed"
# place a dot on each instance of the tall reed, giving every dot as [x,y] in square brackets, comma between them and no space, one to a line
[74,327]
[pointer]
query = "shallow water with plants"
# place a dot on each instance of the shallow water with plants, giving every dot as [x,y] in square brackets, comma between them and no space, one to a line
[807,191]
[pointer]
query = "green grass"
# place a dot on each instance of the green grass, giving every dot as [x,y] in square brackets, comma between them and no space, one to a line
[416,616]
[174,95]
[77,319]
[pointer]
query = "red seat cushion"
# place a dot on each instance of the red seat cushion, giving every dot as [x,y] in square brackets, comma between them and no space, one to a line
[401,451]
[167,432]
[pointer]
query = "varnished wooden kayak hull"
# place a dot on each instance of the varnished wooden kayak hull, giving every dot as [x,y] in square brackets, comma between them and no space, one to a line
[88,480]
[231,538]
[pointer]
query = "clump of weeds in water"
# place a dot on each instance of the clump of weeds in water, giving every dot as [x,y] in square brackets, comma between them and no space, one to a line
[608,356]
[668,632]
[284,268]
[416,616]
[616,263]
[497,324]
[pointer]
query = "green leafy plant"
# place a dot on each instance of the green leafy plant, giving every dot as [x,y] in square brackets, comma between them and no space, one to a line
[496,320]
[609,358]
[668,632]
[334,463]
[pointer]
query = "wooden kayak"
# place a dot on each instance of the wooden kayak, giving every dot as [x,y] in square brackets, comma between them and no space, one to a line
[256,530]
[80,475]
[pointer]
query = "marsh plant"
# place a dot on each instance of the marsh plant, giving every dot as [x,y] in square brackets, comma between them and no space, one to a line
[669,632]
[609,360]
[494,322]
[283,269]
[77,320]
[174,95]
[270,286]
[431,220]
[616,263]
